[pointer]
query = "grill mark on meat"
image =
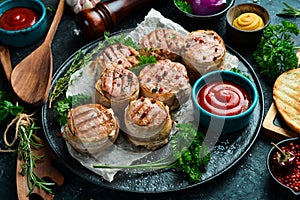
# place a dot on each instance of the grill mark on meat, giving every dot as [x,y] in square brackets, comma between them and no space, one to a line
[205,46]
[172,75]
[167,39]
[118,54]
[119,82]
[89,122]
[162,44]
[146,113]
[113,53]
[162,39]
[109,55]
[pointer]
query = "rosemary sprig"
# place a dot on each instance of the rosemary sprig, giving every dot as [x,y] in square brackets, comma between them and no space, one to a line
[27,142]
[63,82]
[81,59]
[289,11]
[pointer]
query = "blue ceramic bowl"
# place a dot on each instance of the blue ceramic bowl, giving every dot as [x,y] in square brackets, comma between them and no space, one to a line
[218,123]
[229,4]
[26,36]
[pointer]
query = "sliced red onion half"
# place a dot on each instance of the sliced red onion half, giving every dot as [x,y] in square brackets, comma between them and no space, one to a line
[207,7]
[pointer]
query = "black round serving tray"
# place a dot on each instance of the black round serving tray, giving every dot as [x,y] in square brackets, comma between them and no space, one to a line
[229,149]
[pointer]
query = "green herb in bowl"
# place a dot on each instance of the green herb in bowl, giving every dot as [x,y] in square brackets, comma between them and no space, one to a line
[184,6]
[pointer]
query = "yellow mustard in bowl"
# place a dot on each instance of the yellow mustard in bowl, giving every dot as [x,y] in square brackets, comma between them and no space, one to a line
[248,21]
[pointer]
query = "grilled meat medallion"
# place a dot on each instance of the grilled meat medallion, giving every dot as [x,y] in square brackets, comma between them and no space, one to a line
[148,123]
[165,81]
[116,86]
[203,51]
[162,44]
[118,55]
[91,128]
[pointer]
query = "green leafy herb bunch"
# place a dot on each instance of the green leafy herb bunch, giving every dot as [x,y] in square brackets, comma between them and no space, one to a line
[276,51]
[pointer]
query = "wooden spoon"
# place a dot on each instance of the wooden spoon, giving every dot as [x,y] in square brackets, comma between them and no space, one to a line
[5,61]
[31,78]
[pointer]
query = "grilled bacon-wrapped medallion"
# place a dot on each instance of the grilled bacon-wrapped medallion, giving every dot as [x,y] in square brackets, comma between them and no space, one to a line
[148,123]
[165,81]
[91,128]
[116,88]
[118,55]
[163,44]
[203,51]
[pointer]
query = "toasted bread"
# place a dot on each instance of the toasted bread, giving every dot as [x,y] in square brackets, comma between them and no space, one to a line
[286,94]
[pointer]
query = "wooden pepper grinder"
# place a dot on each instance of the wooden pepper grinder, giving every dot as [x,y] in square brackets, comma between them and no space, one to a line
[93,22]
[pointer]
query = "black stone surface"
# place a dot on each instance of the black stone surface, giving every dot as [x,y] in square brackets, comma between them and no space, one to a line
[248,179]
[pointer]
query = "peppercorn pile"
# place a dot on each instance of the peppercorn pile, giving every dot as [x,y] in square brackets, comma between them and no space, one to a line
[286,167]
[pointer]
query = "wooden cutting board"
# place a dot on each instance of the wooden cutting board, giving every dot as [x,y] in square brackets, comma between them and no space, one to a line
[44,169]
[274,126]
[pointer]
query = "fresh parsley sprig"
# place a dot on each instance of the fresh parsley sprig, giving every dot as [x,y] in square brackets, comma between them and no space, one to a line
[276,51]
[144,60]
[236,70]
[63,106]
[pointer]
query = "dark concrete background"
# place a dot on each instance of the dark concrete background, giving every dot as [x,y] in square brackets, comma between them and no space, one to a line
[248,179]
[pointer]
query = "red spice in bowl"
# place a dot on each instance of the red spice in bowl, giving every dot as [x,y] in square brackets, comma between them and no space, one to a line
[287,176]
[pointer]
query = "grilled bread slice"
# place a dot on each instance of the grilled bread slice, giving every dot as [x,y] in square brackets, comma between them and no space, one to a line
[91,128]
[148,123]
[286,94]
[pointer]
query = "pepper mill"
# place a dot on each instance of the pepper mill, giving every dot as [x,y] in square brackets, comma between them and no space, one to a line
[104,16]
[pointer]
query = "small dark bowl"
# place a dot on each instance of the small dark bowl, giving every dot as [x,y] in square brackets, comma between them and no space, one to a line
[273,150]
[218,123]
[26,36]
[244,37]
[229,4]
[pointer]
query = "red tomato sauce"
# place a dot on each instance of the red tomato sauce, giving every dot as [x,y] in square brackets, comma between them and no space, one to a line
[224,98]
[18,18]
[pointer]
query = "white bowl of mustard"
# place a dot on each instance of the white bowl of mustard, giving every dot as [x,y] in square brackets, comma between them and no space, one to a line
[245,24]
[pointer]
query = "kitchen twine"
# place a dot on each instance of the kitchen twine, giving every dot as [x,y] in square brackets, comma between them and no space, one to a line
[20,120]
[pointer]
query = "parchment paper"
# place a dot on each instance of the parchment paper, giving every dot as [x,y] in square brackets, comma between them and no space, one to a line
[83,83]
